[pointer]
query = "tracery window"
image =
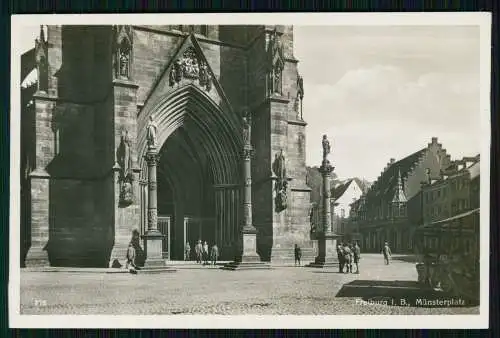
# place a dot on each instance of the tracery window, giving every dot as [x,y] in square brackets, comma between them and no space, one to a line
[196,29]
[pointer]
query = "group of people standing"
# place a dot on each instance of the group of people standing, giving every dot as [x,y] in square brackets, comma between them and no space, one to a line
[202,253]
[348,254]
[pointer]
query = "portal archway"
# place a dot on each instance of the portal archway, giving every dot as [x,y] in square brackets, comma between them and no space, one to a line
[198,170]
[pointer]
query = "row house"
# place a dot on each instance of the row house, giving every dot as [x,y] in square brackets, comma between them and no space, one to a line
[391,209]
[453,201]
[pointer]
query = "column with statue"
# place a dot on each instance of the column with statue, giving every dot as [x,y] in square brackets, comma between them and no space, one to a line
[248,257]
[153,238]
[326,237]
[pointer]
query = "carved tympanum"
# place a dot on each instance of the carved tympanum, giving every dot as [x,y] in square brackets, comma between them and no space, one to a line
[190,66]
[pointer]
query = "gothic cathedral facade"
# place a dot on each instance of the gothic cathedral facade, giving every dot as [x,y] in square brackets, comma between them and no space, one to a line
[84,124]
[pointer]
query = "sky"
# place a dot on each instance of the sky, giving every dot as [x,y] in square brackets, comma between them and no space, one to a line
[382,92]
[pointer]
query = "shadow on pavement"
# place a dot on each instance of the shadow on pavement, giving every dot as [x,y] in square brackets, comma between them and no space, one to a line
[405,258]
[400,293]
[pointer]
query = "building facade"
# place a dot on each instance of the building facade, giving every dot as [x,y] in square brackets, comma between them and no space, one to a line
[84,123]
[453,200]
[343,195]
[391,208]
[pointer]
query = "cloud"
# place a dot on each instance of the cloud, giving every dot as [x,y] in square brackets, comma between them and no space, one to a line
[375,113]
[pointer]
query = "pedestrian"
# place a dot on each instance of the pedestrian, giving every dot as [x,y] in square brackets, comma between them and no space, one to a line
[214,254]
[298,254]
[357,255]
[347,258]
[198,251]
[205,253]
[386,251]
[340,256]
[187,252]
[134,251]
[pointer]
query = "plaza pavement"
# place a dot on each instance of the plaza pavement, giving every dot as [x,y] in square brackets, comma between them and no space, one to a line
[208,290]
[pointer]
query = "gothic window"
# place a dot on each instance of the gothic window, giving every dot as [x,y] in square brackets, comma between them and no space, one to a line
[402,210]
[342,213]
[204,30]
[43,79]
[56,142]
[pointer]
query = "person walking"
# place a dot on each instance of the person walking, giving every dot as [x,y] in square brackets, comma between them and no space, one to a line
[386,251]
[340,256]
[347,258]
[205,253]
[356,250]
[187,252]
[214,254]
[198,251]
[298,254]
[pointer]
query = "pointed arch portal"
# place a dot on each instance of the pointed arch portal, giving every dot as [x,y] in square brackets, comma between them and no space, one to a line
[198,171]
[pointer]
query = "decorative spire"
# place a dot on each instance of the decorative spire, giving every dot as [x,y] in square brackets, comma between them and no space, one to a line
[399,195]
[42,34]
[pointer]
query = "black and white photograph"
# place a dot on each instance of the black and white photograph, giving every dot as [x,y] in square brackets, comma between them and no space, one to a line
[250,170]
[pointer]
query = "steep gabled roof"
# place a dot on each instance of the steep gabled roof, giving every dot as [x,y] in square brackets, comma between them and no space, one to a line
[474,170]
[339,190]
[386,185]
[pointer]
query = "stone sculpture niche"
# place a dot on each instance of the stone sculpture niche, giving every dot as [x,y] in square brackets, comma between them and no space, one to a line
[126,178]
[190,66]
[281,184]
[277,63]
[123,48]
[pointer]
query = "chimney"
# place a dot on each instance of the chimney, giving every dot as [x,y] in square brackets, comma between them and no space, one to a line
[434,140]
[392,160]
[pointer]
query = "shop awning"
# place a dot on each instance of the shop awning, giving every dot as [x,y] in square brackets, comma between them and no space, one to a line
[449,220]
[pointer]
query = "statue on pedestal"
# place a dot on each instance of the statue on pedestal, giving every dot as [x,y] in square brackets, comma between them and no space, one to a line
[152,131]
[247,128]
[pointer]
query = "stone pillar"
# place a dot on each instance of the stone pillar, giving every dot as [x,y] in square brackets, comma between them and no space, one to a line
[249,232]
[327,239]
[153,239]
[248,257]
[40,180]
[37,254]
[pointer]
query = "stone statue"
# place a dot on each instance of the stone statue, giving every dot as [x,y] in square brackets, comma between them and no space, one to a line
[277,88]
[326,147]
[172,77]
[124,67]
[247,128]
[279,168]
[124,154]
[152,131]
[126,192]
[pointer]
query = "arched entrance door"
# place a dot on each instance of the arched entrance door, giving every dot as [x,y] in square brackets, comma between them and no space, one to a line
[198,172]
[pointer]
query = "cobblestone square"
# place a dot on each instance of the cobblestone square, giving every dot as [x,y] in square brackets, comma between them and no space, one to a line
[284,290]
